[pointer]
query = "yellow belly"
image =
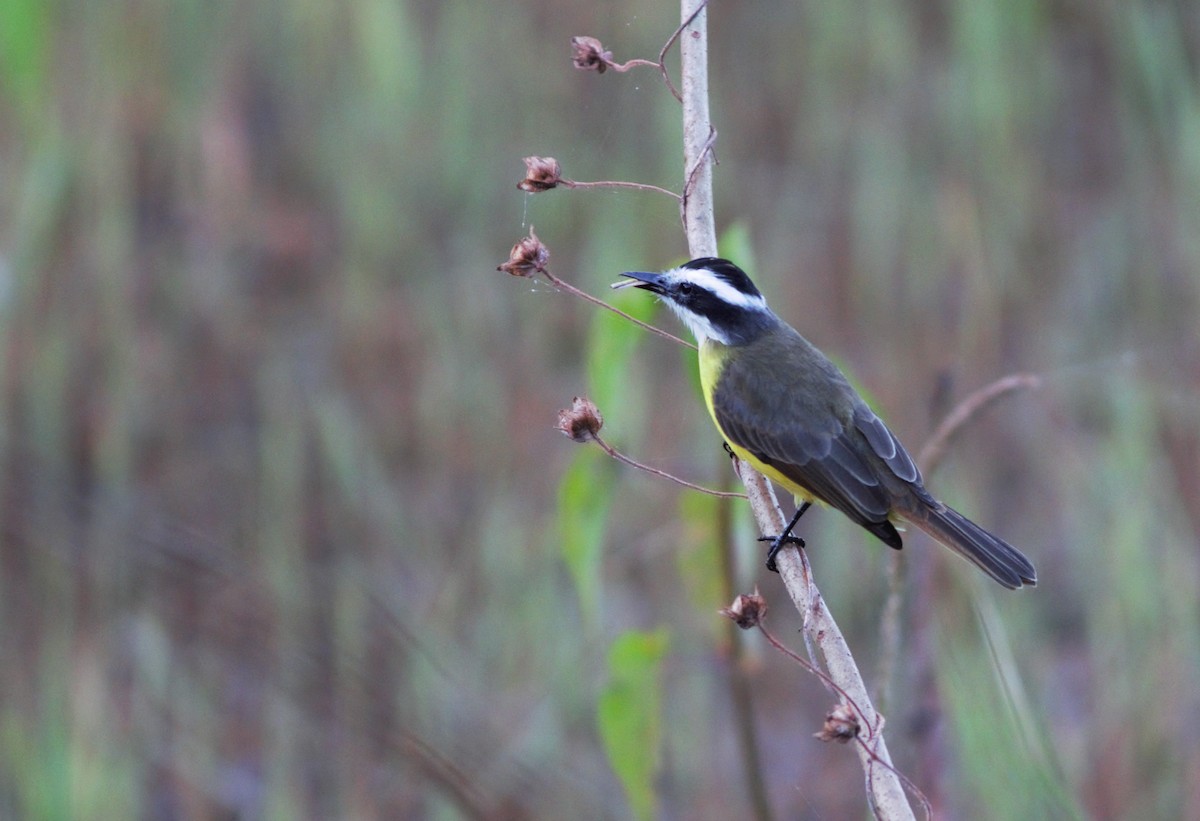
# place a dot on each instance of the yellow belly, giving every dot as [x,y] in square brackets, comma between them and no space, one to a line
[712,361]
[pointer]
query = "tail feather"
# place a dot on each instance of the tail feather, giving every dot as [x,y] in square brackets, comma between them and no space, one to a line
[989,553]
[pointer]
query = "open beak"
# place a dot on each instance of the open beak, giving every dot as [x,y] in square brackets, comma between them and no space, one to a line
[641,279]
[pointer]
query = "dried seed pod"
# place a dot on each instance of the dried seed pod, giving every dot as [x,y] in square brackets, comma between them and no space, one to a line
[541,174]
[746,611]
[582,421]
[527,257]
[588,54]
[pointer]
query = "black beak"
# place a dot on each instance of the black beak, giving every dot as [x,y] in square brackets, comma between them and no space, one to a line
[647,280]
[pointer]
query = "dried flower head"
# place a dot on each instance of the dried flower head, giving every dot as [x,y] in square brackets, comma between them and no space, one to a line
[527,257]
[746,611]
[841,725]
[541,174]
[588,54]
[582,421]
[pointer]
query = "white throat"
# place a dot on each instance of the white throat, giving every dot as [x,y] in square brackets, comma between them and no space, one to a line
[702,329]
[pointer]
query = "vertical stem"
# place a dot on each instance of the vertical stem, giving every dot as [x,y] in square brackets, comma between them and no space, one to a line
[885,792]
[698,220]
[700,225]
[741,688]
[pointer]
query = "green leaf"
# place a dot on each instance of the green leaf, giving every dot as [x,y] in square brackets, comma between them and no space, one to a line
[629,714]
[584,496]
[736,245]
[612,341]
[24,52]
[699,556]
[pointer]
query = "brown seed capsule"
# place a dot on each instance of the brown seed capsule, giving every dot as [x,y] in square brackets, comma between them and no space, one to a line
[582,421]
[541,174]
[841,725]
[588,54]
[746,611]
[527,257]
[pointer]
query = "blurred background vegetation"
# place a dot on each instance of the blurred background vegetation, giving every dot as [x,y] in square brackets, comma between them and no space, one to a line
[285,527]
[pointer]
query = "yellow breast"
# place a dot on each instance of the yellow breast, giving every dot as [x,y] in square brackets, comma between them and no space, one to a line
[712,361]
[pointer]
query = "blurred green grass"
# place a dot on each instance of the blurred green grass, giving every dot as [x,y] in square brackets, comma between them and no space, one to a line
[279,483]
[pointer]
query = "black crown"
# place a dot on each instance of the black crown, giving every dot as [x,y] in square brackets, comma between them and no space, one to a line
[727,271]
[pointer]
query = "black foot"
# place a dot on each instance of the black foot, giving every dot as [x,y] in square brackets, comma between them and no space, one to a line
[777,543]
[786,537]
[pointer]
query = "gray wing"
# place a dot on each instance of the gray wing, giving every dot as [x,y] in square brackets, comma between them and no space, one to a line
[820,434]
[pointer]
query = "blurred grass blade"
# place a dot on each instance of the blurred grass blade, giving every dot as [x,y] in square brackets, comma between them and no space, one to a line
[737,245]
[698,557]
[24,53]
[999,762]
[629,714]
[584,496]
[610,346]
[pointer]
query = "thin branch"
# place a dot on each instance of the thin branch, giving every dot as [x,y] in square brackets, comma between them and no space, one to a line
[600,303]
[633,463]
[589,54]
[741,685]
[708,152]
[887,796]
[582,423]
[845,721]
[909,785]
[930,459]
[886,792]
[698,217]
[638,186]
[934,452]
[886,786]
[634,63]
[530,257]
[829,683]
[662,55]
[545,174]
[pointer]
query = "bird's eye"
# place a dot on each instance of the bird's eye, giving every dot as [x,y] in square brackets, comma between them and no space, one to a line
[686,288]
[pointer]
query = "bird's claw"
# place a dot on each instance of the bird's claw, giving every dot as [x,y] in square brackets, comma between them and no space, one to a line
[777,543]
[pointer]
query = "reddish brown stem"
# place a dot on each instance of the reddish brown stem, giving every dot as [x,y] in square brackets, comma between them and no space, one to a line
[634,63]
[633,463]
[662,55]
[871,732]
[638,186]
[571,289]
[935,449]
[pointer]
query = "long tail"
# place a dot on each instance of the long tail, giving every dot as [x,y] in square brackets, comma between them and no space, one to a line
[989,553]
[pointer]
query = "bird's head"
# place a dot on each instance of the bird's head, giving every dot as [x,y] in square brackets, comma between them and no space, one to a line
[713,297]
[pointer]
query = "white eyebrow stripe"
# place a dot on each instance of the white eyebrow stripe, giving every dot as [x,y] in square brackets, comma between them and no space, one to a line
[709,281]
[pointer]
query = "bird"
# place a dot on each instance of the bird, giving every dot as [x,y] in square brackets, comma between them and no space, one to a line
[786,409]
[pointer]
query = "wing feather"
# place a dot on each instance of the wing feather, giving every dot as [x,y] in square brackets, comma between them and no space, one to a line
[885,445]
[818,433]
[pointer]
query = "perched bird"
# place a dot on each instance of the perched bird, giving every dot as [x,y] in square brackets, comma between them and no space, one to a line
[786,409]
